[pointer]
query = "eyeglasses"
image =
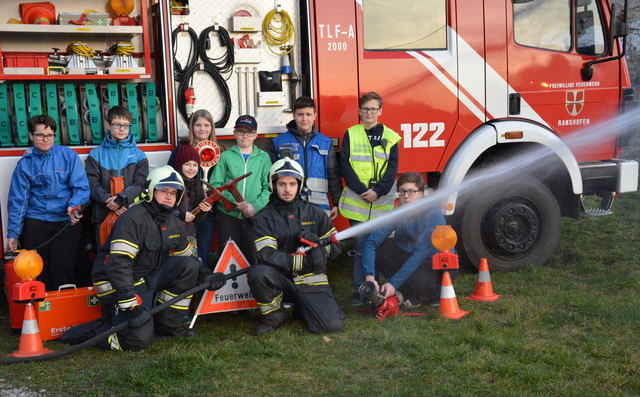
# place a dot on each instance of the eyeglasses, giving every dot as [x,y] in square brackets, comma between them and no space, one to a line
[369,110]
[121,126]
[409,193]
[169,193]
[245,133]
[45,137]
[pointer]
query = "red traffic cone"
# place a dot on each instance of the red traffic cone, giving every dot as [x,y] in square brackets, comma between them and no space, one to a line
[484,289]
[448,302]
[30,340]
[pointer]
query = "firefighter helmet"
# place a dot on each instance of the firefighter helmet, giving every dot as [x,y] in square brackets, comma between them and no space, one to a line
[164,177]
[286,167]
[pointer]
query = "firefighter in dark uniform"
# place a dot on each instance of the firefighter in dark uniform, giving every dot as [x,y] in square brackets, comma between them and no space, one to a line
[148,261]
[285,275]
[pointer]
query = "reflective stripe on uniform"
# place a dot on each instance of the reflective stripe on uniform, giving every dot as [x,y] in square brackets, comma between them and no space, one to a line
[266,241]
[266,308]
[187,251]
[124,247]
[296,262]
[311,279]
[361,158]
[128,303]
[103,288]
[165,296]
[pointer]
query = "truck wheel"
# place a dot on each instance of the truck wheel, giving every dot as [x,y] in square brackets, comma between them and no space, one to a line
[511,225]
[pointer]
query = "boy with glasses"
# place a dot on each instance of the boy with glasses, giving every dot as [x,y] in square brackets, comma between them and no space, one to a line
[237,224]
[117,172]
[405,259]
[369,164]
[47,187]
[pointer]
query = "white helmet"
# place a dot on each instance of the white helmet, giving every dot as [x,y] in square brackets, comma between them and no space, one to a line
[164,177]
[286,167]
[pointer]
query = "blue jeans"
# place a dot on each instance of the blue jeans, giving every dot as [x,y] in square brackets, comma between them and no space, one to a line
[204,236]
[358,244]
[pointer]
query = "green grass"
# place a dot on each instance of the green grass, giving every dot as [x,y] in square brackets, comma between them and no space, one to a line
[569,328]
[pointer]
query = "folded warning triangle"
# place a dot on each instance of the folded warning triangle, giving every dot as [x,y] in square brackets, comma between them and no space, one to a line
[236,294]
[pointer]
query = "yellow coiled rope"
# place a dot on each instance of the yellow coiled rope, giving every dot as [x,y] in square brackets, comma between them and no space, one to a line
[278,30]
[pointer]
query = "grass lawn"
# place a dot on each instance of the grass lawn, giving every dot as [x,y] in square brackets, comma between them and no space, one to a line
[568,328]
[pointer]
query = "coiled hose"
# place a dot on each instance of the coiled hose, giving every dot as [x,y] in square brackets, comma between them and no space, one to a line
[178,70]
[224,63]
[217,78]
[277,30]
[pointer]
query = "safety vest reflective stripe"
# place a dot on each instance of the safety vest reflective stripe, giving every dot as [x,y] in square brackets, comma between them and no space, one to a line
[311,279]
[165,296]
[447,292]
[296,262]
[381,155]
[124,247]
[353,207]
[357,157]
[484,277]
[266,241]
[266,308]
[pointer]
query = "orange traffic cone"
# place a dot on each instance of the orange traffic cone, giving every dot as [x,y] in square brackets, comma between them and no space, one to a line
[484,289]
[30,341]
[448,302]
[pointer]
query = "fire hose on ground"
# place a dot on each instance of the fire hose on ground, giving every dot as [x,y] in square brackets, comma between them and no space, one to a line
[117,328]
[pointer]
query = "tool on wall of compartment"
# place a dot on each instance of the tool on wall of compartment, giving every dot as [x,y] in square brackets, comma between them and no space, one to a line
[214,67]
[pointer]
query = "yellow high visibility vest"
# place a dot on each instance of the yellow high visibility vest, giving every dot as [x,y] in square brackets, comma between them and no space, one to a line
[368,163]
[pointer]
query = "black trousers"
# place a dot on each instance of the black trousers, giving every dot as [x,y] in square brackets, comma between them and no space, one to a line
[319,310]
[59,256]
[175,275]
[241,232]
[424,282]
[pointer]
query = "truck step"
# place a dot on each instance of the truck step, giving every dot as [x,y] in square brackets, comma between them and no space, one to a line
[597,212]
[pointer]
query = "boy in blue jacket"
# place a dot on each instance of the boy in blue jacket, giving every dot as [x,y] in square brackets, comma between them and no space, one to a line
[117,171]
[47,187]
[405,259]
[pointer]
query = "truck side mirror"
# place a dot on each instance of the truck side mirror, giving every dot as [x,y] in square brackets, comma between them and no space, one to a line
[617,27]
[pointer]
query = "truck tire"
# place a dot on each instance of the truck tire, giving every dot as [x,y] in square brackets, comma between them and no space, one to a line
[512,225]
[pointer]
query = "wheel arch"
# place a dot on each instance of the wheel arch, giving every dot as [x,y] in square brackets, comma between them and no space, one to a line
[488,143]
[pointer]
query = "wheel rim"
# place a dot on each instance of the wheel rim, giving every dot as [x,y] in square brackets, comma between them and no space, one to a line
[511,228]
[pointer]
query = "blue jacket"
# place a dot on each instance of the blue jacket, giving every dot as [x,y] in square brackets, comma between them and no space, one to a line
[115,158]
[43,185]
[314,152]
[413,236]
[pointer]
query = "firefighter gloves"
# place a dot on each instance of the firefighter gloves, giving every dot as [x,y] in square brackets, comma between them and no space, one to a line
[137,317]
[216,281]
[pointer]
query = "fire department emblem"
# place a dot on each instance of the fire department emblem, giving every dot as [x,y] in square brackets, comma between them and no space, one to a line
[574,102]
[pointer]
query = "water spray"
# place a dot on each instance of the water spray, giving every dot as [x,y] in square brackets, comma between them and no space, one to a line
[533,161]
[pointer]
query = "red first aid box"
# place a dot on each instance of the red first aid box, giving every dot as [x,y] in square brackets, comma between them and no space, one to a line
[65,308]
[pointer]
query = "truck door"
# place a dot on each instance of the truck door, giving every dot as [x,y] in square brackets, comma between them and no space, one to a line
[405,53]
[551,41]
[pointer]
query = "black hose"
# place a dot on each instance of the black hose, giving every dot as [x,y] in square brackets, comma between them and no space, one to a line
[217,78]
[117,328]
[178,70]
[224,63]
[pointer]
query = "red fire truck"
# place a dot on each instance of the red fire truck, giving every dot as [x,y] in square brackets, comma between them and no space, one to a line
[467,84]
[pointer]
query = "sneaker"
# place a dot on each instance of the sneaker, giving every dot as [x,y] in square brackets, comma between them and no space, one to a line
[434,302]
[263,328]
[408,304]
[356,300]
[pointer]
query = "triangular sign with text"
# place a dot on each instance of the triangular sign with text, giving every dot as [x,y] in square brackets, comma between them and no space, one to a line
[236,294]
